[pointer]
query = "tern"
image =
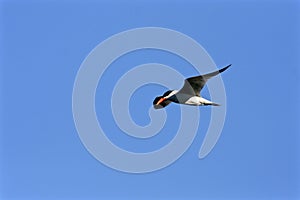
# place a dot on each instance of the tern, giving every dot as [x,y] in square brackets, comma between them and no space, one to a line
[189,94]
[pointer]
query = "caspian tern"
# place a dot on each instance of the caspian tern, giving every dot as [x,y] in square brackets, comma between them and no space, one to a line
[189,94]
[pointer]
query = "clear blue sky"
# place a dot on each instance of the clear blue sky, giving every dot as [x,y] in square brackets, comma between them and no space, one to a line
[43,44]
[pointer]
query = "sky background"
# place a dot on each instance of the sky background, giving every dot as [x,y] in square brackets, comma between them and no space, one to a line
[43,44]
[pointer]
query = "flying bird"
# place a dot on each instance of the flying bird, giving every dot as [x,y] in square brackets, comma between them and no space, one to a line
[189,94]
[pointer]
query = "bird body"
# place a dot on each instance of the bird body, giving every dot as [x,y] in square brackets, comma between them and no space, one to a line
[189,94]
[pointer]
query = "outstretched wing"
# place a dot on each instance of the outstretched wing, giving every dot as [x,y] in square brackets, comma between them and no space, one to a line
[194,85]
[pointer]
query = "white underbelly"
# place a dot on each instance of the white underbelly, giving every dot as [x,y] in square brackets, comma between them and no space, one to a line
[197,101]
[191,100]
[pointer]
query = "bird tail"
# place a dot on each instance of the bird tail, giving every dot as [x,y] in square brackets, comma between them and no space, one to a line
[211,104]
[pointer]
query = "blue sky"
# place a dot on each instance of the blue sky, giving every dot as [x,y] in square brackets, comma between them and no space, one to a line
[43,44]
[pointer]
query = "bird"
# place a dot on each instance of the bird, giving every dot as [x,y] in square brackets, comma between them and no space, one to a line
[189,94]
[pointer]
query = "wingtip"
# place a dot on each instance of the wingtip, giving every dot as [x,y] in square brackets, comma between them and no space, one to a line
[223,69]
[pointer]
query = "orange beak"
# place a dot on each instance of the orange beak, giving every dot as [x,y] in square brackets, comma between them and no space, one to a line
[161,100]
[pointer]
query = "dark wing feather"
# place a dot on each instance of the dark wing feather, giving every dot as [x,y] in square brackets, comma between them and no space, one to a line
[194,85]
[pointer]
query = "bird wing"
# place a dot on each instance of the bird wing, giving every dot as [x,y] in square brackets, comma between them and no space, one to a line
[194,85]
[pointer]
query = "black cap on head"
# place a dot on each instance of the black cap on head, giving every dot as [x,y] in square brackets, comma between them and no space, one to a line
[161,104]
[167,93]
[157,99]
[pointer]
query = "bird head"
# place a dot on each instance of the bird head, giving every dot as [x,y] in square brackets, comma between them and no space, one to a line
[162,101]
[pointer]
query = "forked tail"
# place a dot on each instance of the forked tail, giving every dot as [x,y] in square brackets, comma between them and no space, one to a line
[211,104]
